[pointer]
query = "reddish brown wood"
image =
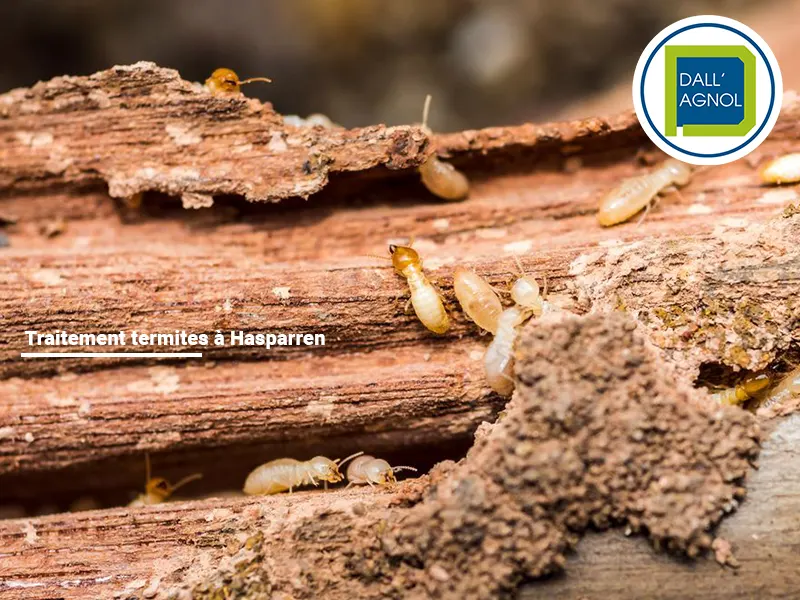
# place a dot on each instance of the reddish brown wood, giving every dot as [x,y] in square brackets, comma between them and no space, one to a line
[712,275]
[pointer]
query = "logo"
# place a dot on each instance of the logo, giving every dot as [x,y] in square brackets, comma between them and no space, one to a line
[707,90]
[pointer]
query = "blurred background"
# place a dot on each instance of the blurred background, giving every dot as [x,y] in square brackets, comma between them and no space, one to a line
[360,62]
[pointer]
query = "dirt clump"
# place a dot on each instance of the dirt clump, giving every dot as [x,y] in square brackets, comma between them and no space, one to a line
[599,433]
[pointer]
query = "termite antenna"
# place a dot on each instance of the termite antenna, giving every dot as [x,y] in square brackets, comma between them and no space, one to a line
[401,468]
[340,461]
[426,109]
[252,79]
[518,262]
[185,480]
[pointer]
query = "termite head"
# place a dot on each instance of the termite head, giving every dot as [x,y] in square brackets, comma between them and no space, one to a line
[525,292]
[379,472]
[159,488]
[754,385]
[403,257]
[325,469]
[226,81]
[680,171]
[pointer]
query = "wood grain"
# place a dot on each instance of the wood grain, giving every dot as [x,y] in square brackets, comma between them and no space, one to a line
[721,257]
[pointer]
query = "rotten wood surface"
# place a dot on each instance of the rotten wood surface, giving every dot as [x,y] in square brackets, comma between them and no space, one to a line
[142,127]
[381,381]
[65,421]
[147,553]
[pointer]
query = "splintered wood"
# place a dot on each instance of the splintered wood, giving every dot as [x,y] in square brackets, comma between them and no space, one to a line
[287,226]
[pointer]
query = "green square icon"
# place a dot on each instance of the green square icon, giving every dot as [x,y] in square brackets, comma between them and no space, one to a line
[709,91]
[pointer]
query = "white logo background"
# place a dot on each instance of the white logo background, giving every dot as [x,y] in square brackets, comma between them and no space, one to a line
[723,149]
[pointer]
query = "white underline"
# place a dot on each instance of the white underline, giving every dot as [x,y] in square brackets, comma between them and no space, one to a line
[112,355]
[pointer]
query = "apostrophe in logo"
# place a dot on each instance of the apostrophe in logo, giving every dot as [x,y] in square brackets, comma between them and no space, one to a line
[707,90]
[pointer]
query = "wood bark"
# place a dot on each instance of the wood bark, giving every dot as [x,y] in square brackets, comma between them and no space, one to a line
[712,275]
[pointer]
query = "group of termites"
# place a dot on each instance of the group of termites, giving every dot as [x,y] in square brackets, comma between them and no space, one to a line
[286,475]
[481,304]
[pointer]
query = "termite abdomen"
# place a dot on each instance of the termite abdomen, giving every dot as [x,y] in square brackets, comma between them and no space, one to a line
[784,169]
[477,298]
[443,179]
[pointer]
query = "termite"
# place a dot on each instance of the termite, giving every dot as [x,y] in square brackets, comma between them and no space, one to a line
[784,169]
[226,81]
[499,359]
[158,489]
[425,298]
[441,178]
[748,389]
[478,299]
[637,193]
[368,470]
[789,387]
[284,474]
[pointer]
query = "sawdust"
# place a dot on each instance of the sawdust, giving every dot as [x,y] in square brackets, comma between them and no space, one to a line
[599,433]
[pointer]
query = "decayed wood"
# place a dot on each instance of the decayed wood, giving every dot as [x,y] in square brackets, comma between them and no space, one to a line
[719,258]
[150,552]
[65,421]
[152,131]
[100,554]
[142,127]
[161,275]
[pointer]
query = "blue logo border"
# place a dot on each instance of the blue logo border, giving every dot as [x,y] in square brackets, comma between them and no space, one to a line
[644,77]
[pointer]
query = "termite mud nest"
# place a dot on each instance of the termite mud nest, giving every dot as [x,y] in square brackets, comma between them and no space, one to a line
[599,433]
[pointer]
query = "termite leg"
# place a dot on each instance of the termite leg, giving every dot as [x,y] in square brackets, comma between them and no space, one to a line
[673,189]
[645,211]
[405,309]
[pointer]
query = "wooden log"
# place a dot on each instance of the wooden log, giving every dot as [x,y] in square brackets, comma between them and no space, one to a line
[154,552]
[55,423]
[142,127]
[712,276]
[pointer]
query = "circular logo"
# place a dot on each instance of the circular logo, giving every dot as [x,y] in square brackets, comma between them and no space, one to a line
[707,90]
